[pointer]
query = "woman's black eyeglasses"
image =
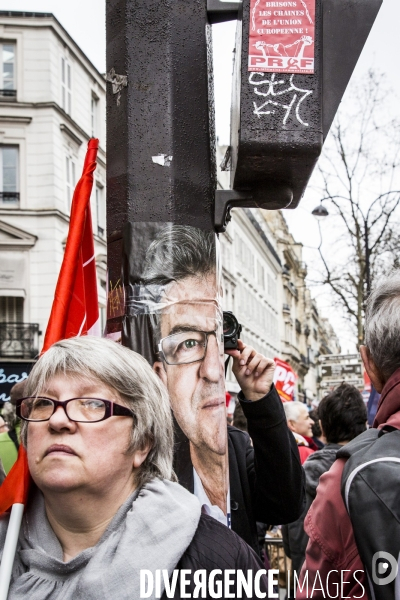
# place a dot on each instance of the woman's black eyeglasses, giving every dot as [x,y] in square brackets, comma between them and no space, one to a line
[79,410]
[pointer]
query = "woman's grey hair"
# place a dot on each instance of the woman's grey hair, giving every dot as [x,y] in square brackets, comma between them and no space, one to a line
[129,374]
[382,324]
[293,410]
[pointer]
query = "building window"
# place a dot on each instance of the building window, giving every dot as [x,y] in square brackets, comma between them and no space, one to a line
[71,181]
[260,275]
[66,86]
[9,176]
[288,332]
[272,290]
[11,309]
[94,109]
[245,256]
[100,211]
[8,83]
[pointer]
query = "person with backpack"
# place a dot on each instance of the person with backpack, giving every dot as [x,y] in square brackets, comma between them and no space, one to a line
[341,416]
[354,522]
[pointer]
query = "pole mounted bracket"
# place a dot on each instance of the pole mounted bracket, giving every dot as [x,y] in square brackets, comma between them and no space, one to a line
[225,200]
[218,11]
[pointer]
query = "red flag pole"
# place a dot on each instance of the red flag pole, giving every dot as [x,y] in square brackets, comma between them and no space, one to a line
[70,285]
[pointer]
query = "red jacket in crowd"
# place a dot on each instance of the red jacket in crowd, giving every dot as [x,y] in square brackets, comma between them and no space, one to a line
[332,548]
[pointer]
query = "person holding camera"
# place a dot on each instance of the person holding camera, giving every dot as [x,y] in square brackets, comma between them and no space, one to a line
[238,480]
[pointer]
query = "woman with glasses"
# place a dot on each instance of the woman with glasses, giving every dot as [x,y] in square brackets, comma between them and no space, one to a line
[104,505]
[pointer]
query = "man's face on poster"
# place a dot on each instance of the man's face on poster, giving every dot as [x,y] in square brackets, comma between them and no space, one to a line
[190,330]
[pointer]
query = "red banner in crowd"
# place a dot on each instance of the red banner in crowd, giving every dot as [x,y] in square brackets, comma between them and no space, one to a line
[367,382]
[282,36]
[284,380]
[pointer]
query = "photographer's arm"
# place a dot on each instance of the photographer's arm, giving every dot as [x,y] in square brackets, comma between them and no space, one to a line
[273,466]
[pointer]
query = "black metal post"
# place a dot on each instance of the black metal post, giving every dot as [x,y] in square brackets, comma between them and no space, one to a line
[160,120]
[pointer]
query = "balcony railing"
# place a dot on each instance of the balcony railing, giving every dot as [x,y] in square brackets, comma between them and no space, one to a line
[304,359]
[8,94]
[19,340]
[9,197]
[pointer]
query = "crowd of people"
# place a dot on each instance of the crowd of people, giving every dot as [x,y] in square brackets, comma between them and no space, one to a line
[121,483]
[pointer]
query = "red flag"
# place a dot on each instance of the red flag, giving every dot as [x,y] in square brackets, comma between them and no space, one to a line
[15,487]
[75,308]
[284,380]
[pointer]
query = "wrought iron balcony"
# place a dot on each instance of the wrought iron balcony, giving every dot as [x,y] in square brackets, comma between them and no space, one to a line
[9,197]
[286,308]
[304,359]
[8,95]
[19,340]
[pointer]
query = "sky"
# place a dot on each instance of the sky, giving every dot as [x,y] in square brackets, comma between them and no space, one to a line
[85,22]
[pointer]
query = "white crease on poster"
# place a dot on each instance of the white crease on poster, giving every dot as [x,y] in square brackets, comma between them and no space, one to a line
[164,160]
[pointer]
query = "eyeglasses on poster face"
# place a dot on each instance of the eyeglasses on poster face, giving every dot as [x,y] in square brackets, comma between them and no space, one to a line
[186,347]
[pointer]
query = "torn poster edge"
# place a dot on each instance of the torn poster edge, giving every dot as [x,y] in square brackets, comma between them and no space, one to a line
[164,160]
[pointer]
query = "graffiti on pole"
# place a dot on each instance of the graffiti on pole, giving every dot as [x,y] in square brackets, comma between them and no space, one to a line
[280,94]
[282,36]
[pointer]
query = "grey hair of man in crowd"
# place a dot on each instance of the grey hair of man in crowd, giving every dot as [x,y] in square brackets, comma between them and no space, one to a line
[132,379]
[293,410]
[382,324]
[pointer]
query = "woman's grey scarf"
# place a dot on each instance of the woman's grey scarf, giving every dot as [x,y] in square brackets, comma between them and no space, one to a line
[150,531]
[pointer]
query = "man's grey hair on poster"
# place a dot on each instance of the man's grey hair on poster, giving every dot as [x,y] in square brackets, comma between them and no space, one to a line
[293,410]
[130,376]
[179,251]
[382,323]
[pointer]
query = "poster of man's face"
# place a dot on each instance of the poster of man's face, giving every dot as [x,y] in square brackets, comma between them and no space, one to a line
[172,287]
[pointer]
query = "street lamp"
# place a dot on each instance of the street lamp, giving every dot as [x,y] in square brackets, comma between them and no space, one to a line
[320,212]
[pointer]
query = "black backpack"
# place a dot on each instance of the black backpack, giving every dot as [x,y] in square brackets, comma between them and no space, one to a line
[371,493]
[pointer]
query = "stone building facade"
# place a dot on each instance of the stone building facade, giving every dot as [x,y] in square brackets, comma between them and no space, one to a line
[264,281]
[52,100]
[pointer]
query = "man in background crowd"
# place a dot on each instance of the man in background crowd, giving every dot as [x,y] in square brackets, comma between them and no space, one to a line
[3,425]
[9,438]
[342,417]
[300,424]
[317,435]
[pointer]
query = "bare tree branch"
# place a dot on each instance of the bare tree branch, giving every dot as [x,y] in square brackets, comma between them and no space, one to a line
[359,174]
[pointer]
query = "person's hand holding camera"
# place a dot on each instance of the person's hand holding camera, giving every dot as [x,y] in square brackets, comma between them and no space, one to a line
[253,371]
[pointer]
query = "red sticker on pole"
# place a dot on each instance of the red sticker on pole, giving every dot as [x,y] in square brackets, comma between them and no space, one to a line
[284,380]
[282,34]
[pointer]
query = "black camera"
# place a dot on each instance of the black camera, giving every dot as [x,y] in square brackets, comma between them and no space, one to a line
[232,330]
